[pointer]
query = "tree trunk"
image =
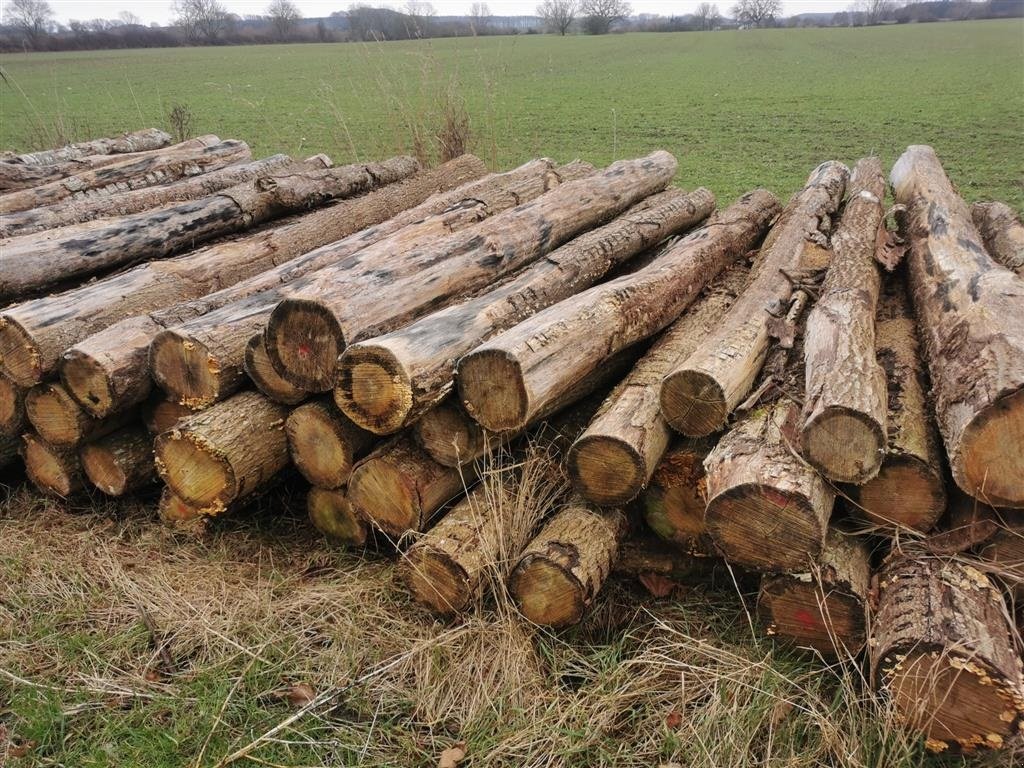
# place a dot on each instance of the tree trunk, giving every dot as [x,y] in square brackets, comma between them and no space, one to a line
[224,453]
[54,470]
[826,608]
[307,332]
[941,648]
[110,374]
[324,443]
[262,374]
[331,513]
[675,499]
[12,407]
[698,396]
[78,211]
[615,458]
[59,420]
[909,490]
[507,380]
[767,510]
[201,360]
[161,416]
[1002,232]
[845,407]
[969,312]
[564,567]
[137,141]
[386,383]
[146,170]
[34,262]
[398,487]
[120,463]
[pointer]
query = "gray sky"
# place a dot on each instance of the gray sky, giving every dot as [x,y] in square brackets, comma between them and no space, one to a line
[159,10]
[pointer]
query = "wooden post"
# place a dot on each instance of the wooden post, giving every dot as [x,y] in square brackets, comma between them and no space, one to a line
[121,462]
[675,499]
[324,443]
[1002,232]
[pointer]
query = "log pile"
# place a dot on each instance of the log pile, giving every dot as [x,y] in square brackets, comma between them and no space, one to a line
[726,395]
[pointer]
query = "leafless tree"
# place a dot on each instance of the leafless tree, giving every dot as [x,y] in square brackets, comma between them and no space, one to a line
[707,15]
[129,19]
[558,15]
[284,15]
[479,17]
[30,17]
[873,11]
[201,19]
[599,15]
[756,12]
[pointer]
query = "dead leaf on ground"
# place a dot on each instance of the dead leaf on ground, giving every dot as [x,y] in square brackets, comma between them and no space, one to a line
[452,756]
[656,584]
[300,695]
[781,711]
[674,719]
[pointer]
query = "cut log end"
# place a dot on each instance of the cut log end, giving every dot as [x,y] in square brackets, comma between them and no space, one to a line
[320,453]
[184,369]
[88,382]
[450,436]
[380,491]
[267,380]
[193,471]
[121,462]
[333,515]
[174,511]
[12,406]
[304,341]
[102,470]
[906,492]
[606,470]
[435,580]
[992,470]
[491,385]
[830,621]
[55,416]
[674,502]
[374,389]
[20,357]
[838,439]
[693,403]
[51,469]
[547,593]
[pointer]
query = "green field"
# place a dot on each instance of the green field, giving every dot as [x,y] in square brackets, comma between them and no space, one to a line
[739,109]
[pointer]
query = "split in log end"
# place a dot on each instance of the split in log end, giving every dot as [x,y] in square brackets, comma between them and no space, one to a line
[548,593]
[304,341]
[492,389]
[606,470]
[693,403]
[838,439]
[436,580]
[332,514]
[374,389]
[193,472]
[906,492]
[184,369]
[19,356]
[993,471]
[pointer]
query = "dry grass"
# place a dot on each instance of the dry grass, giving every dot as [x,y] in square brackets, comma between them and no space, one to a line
[124,643]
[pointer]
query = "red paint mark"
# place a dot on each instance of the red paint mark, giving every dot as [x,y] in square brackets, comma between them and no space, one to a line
[805,618]
[304,350]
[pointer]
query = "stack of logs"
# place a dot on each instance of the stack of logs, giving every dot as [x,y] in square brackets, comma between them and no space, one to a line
[795,393]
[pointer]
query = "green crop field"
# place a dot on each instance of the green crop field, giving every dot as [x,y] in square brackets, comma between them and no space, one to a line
[739,109]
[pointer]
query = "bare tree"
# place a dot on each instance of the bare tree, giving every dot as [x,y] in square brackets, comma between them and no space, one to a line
[421,12]
[599,15]
[129,19]
[30,17]
[756,12]
[873,11]
[201,19]
[479,17]
[558,15]
[284,15]
[707,15]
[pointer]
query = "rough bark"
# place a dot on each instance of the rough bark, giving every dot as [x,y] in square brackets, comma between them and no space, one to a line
[201,361]
[566,564]
[136,141]
[645,558]
[257,367]
[161,416]
[78,211]
[331,513]
[1003,554]
[615,458]
[225,453]
[59,420]
[698,396]
[968,311]
[386,383]
[504,382]
[1001,230]
[120,463]
[941,649]
[324,443]
[54,470]
[398,487]
[34,262]
[307,332]
[675,499]
[12,407]
[767,510]
[825,608]
[112,368]
[909,490]
[145,170]
[844,431]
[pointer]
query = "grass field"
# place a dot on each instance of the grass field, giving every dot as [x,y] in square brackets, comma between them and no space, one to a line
[739,109]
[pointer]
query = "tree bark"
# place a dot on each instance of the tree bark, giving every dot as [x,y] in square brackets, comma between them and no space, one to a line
[331,513]
[698,396]
[675,499]
[1002,232]
[12,407]
[59,420]
[909,490]
[146,170]
[108,373]
[262,374]
[767,510]
[941,649]
[201,360]
[388,382]
[308,331]
[507,380]
[398,487]
[225,453]
[54,470]
[1003,554]
[844,431]
[615,458]
[324,443]
[160,415]
[78,211]
[644,558]
[38,261]
[968,310]
[136,141]
[120,463]
[564,567]
[826,608]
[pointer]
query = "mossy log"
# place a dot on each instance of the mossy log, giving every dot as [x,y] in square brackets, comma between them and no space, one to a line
[120,463]
[55,470]
[59,420]
[676,497]
[1001,230]
[324,443]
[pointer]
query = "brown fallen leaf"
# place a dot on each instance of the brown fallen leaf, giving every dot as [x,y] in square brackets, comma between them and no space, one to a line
[781,711]
[674,719]
[451,757]
[300,694]
[656,584]
[22,748]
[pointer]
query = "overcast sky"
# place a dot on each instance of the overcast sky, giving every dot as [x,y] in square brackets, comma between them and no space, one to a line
[160,10]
